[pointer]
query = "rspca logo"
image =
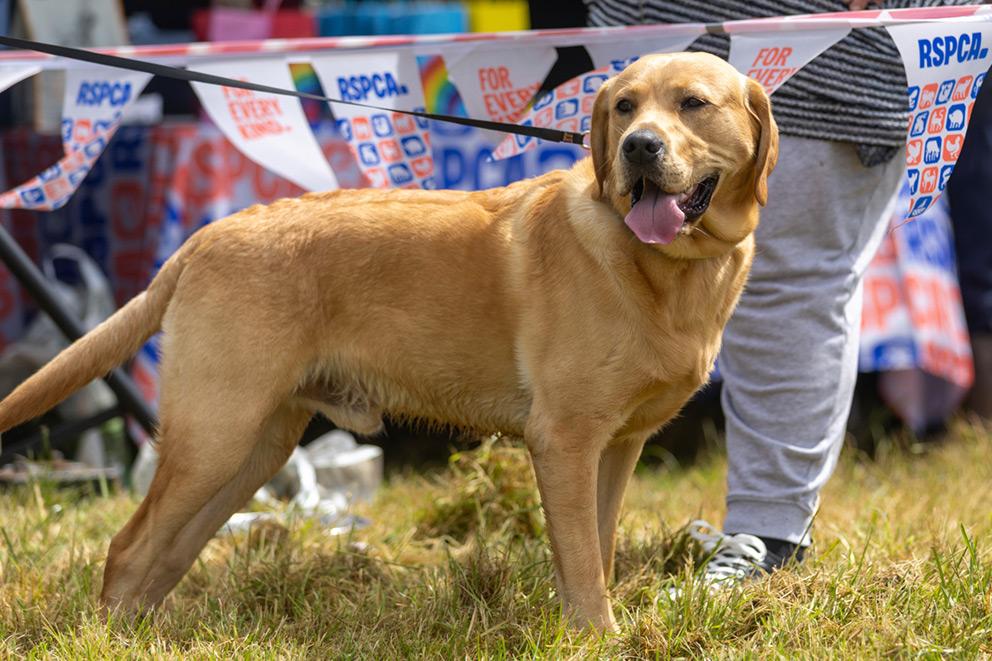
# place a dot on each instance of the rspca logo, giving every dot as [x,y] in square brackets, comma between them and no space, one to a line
[940,51]
[376,85]
[99,92]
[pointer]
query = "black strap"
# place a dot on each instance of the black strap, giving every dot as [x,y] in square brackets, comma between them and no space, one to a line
[178,73]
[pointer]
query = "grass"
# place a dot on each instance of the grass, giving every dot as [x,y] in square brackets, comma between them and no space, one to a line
[455,565]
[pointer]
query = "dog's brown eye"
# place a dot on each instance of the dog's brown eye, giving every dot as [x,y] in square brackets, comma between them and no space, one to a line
[692,102]
[623,105]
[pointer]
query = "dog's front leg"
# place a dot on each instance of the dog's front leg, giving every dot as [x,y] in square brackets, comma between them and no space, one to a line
[566,463]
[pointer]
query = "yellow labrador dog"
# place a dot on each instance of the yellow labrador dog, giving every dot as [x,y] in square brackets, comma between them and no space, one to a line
[579,309]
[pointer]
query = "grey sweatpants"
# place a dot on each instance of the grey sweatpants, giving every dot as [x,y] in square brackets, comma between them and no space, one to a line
[790,352]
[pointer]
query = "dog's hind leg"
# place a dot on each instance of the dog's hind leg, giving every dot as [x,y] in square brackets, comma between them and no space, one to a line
[228,424]
[168,565]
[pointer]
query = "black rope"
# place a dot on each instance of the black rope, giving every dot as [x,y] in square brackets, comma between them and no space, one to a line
[179,73]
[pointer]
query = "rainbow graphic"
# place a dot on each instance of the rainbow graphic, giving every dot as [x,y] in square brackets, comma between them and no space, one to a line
[305,80]
[440,95]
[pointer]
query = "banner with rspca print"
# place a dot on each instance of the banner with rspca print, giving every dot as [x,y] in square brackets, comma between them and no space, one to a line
[771,58]
[500,85]
[269,129]
[392,150]
[94,103]
[945,66]
[609,53]
[568,107]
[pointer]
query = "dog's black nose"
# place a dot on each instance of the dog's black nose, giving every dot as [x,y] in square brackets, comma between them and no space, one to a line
[642,146]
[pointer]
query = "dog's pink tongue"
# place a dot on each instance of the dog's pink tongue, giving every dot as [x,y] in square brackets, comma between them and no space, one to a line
[656,218]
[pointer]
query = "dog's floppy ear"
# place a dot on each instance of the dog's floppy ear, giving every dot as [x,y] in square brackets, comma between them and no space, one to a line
[599,134]
[760,107]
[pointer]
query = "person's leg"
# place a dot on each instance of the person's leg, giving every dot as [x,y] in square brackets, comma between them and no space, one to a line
[789,359]
[971,216]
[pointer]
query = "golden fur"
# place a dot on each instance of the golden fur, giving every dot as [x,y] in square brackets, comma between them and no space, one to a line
[529,309]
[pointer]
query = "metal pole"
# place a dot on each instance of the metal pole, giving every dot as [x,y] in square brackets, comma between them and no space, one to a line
[32,279]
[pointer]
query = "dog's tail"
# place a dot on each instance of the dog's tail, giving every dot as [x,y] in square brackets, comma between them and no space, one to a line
[96,353]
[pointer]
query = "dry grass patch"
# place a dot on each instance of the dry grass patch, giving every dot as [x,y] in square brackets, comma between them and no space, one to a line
[455,565]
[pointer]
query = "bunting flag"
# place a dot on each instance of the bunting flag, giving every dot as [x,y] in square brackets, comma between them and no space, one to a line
[945,66]
[270,129]
[944,50]
[772,58]
[11,75]
[391,149]
[440,95]
[500,86]
[568,107]
[94,103]
[611,53]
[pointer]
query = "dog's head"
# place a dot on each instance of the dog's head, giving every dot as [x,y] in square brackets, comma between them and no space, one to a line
[682,146]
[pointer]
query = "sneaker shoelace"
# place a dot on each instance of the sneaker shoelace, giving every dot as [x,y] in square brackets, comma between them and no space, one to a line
[732,557]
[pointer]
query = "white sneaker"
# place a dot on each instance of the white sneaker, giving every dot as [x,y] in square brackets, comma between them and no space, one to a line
[732,559]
